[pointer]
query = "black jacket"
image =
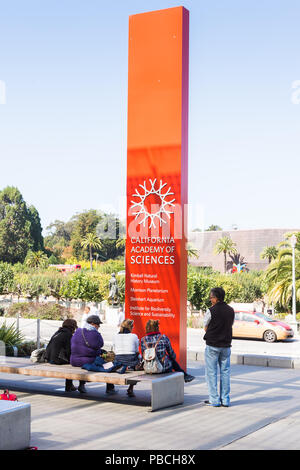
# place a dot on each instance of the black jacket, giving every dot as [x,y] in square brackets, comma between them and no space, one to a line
[219,329]
[58,350]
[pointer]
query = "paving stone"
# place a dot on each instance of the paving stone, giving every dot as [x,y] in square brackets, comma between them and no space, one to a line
[265,413]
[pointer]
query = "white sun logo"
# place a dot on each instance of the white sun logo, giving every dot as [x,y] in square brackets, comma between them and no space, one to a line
[164,204]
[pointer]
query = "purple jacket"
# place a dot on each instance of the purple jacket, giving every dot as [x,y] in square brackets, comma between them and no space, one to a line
[81,353]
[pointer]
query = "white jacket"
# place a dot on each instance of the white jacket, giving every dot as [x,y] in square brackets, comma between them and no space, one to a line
[126,343]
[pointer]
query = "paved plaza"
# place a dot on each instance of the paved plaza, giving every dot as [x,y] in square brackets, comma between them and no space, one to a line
[265,414]
[265,411]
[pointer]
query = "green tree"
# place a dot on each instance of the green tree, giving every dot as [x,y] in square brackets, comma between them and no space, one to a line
[20,229]
[214,228]
[225,245]
[58,236]
[36,229]
[36,259]
[91,241]
[83,224]
[111,232]
[270,253]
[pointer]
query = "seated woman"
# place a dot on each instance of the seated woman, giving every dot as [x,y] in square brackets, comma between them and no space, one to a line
[86,345]
[164,350]
[58,350]
[126,348]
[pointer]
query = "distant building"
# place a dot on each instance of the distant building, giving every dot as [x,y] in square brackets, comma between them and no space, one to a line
[249,244]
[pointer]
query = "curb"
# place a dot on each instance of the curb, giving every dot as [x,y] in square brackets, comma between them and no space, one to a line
[284,362]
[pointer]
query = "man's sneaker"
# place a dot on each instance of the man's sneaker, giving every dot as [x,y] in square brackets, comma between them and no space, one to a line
[208,403]
[225,406]
[188,378]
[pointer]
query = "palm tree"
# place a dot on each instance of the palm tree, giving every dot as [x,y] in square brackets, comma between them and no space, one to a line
[36,259]
[191,251]
[91,241]
[225,245]
[270,253]
[278,275]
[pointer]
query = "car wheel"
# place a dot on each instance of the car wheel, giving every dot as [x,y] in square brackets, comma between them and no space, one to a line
[270,336]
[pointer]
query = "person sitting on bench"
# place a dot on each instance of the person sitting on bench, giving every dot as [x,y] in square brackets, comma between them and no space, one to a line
[126,348]
[164,350]
[58,350]
[86,345]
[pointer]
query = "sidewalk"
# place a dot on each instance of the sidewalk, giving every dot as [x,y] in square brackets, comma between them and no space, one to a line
[265,414]
[265,411]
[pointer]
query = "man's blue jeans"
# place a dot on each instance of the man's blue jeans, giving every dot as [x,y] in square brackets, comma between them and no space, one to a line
[218,358]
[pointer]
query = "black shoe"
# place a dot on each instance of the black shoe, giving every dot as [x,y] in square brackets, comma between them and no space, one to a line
[82,389]
[188,378]
[111,391]
[70,389]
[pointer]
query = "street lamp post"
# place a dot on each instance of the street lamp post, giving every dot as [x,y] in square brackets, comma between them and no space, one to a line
[293,243]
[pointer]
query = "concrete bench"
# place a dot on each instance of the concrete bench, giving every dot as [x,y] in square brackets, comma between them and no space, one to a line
[14,425]
[166,389]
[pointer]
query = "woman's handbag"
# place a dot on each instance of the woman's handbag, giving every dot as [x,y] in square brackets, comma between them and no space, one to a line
[38,355]
[109,356]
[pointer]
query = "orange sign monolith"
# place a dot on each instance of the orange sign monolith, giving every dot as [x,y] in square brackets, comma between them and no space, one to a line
[157,170]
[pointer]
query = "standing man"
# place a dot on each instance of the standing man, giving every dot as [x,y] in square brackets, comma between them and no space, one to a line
[88,313]
[121,316]
[218,322]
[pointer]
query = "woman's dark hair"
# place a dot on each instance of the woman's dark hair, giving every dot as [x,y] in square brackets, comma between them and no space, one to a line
[219,293]
[70,324]
[152,326]
[126,326]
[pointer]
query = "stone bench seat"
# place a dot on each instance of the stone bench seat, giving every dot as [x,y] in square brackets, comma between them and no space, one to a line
[166,389]
[14,425]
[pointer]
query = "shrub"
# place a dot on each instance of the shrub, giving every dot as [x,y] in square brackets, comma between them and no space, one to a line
[111,266]
[10,335]
[231,286]
[26,348]
[82,286]
[48,311]
[242,287]
[198,288]
[6,278]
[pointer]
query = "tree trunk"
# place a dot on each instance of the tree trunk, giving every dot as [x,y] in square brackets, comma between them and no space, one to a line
[225,262]
[91,258]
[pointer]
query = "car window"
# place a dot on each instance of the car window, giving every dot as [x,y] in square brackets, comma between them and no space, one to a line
[237,316]
[249,318]
[264,317]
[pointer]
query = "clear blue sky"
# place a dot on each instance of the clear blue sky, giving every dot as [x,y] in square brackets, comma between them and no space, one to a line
[64,125]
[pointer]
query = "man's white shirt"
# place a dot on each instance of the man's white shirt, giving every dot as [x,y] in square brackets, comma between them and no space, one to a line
[207,318]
